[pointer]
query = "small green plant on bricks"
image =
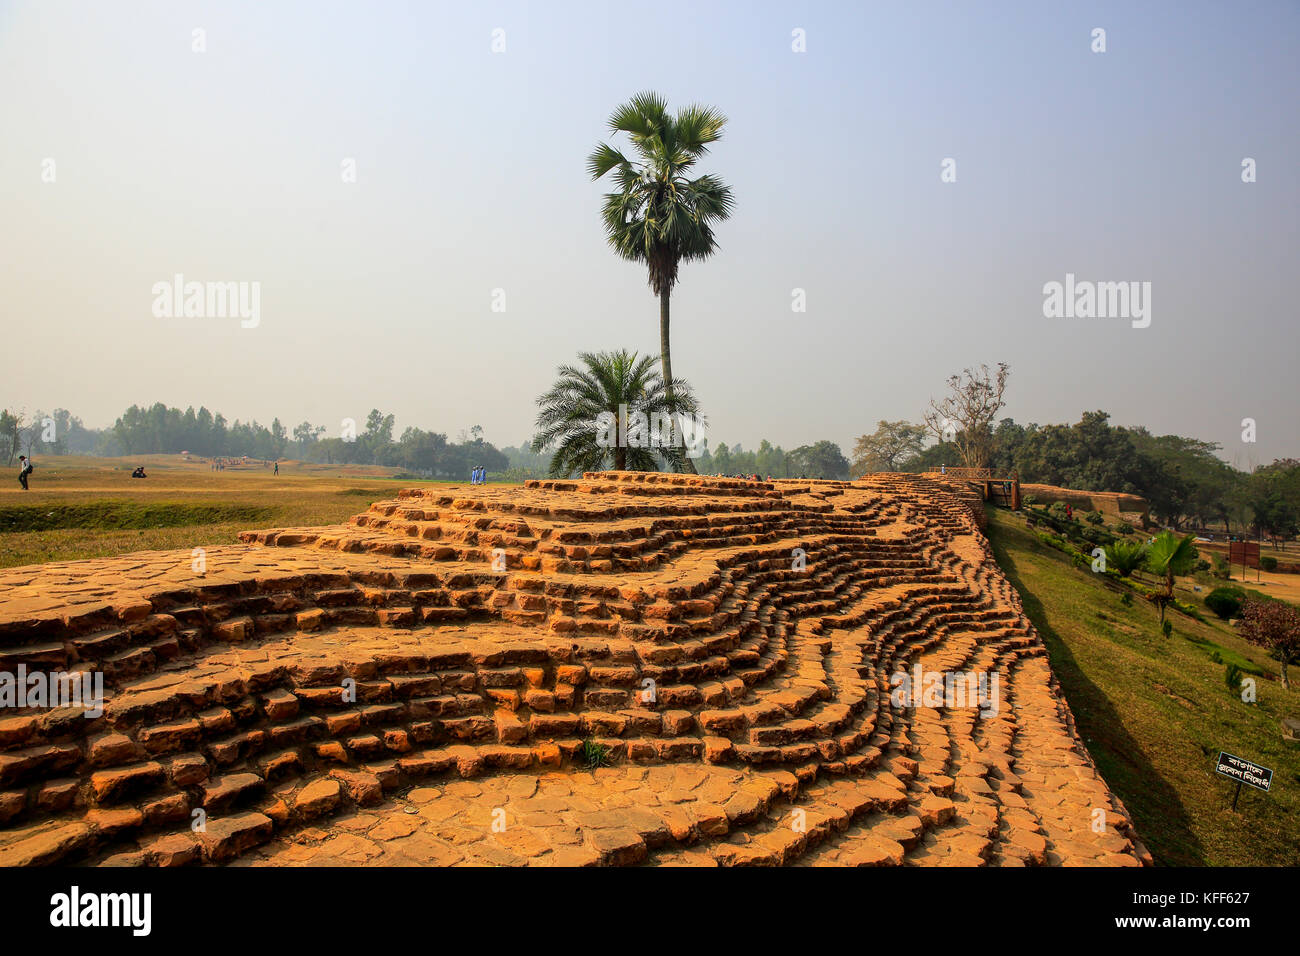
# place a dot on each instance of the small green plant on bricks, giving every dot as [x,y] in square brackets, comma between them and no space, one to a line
[593,755]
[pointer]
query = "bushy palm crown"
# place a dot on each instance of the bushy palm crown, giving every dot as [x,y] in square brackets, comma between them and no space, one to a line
[659,215]
[1126,556]
[605,381]
[1167,556]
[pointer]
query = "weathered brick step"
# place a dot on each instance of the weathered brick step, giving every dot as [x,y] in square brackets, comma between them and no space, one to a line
[801,818]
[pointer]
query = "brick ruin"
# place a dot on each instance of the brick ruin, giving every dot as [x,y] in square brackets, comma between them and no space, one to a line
[430,684]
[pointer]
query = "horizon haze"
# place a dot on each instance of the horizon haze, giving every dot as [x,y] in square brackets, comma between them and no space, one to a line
[131,156]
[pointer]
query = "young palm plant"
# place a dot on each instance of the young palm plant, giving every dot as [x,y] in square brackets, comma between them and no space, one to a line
[1125,556]
[1168,556]
[620,385]
[659,215]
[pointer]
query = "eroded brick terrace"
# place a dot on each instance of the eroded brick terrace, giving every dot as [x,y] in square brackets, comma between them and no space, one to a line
[379,692]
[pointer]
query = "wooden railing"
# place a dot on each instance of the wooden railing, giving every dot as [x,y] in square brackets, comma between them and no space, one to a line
[969,474]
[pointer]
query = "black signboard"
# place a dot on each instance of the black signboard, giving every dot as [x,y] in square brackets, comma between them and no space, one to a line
[1243,771]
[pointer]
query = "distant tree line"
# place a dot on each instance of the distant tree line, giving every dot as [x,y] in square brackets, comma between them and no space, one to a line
[821,459]
[1183,479]
[159,429]
[53,433]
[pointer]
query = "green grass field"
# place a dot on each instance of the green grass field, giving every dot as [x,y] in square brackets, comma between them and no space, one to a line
[1155,712]
[92,507]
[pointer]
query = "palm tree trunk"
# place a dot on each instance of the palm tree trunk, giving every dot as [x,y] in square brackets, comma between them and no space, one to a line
[665,356]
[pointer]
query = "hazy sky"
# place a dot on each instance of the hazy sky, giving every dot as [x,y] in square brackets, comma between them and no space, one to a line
[225,165]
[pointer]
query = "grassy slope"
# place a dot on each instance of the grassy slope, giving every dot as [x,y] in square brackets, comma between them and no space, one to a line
[1155,712]
[90,508]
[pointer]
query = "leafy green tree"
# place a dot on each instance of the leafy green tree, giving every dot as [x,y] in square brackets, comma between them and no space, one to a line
[279,439]
[591,406]
[1275,499]
[305,434]
[770,459]
[659,215]
[822,459]
[722,460]
[1168,556]
[888,446]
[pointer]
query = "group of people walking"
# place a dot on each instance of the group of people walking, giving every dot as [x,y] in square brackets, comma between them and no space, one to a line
[478,475]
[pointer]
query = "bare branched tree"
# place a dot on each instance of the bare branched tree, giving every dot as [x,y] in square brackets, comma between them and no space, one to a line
[965,416]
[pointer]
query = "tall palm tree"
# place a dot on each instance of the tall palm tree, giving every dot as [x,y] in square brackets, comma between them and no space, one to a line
[660,216]
[621,386]
[1167,556]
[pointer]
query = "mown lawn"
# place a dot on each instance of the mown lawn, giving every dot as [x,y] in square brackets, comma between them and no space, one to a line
[1155,712]
[92,508]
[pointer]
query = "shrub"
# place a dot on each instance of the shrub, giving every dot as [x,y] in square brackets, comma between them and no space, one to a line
[1057,511]
[1167,627]
[1126,599]
[1225,602]
[1268,562]
[1221,570]
[1202,565]
[1096,518]
[1124,528]
[1096,536]
[1232,676]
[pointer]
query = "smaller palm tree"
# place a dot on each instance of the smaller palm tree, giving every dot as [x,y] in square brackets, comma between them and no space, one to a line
[1125,556]
[1167,557]
[592,411]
